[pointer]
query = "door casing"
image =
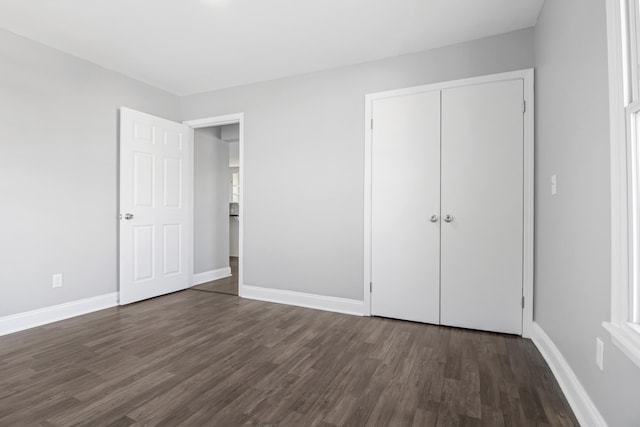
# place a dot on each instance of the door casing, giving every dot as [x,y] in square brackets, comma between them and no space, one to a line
[527,76]
[227,119]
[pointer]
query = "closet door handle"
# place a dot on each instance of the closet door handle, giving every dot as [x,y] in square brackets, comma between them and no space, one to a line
[448,218]
[433,218]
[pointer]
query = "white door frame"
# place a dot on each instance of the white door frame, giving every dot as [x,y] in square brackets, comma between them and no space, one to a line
[227,119]
[528,191]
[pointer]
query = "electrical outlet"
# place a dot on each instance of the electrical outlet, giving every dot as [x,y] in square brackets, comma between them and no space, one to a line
[57,280]
[554,184]
[600,354]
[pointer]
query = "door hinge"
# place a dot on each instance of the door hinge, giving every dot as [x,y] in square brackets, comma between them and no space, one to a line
[371,123]
[370,286]
[522,302]
[524,107]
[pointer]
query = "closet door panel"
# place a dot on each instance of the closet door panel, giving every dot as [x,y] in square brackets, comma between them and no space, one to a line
[482,189]
[405,194]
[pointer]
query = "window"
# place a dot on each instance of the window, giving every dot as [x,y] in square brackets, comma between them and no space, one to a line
[623,29]
[633,178]
[235,187]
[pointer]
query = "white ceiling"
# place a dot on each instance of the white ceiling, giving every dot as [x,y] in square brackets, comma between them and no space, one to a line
[190,46]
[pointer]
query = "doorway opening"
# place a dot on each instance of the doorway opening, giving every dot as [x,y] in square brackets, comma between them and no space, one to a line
[216,262]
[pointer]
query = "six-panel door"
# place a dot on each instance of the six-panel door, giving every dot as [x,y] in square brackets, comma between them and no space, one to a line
[154,206]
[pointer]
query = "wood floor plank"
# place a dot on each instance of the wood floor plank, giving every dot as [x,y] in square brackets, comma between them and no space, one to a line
[198,358]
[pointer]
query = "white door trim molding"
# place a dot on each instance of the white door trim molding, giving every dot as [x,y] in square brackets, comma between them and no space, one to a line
[525,75]
[226,119]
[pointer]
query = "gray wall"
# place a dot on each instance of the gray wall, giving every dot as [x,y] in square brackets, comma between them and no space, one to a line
[211,201]
[573,249]
[58,172]
[230,133]
[304,147]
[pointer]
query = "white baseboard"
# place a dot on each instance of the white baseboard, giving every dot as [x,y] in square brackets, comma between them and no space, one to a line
[319,302]
[582,405]
[209,276]
[42,316]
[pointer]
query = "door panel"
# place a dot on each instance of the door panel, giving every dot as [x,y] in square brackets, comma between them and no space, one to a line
[172,183]
[482,188]
[142,252]
[153,189]
[172,248]
[405,193]
[143,179]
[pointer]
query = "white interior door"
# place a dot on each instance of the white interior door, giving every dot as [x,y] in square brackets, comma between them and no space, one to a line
[154,206]
[482,189]
[405,194]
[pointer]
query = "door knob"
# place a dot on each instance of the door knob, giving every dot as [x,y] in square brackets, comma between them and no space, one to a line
[448,218]
[433,218]
[128,216]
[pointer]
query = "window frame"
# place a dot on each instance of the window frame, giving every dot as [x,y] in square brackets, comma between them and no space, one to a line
[623,24]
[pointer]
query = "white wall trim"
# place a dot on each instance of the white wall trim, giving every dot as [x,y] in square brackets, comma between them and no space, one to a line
[627,338]
[368,135]
[528,238]
[583,407]
[510,75]
[208,276]
[618,151]
[226,119]
[529,196]
[624,335]
[319,302]
[43,316]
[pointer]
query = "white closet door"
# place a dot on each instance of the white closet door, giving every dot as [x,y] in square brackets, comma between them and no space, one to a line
[154,202]
[405,194]
[482,189]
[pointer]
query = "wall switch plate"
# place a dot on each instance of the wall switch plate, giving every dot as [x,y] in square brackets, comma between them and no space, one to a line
[57,280]
[554,184]
[600,354]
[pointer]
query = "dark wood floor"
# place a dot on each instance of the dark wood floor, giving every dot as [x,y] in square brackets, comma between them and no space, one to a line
[228,285]
[208,359]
